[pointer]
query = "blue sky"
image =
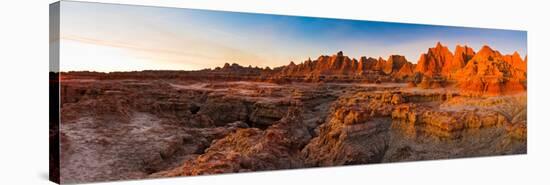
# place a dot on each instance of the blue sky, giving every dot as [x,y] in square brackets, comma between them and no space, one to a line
[108,37]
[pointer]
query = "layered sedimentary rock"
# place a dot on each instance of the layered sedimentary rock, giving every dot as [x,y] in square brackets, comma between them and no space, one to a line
[358,129]
[486,72]
[431,63]
[490,73]
[446,123]
[131,128]
[439,61]
[457,115]
[340,68]
[406,71]
[461,56]
[516,62]
[127,125]
[394,63]
[252,149]
[352,134]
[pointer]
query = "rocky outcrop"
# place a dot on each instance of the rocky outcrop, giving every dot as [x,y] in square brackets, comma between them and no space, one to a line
[83,101]
[142,127]
[406,71]
[440,62]
[394,64]
[441,123]
[350,139]
[516,62]
[236,68]
[432,63]
[427,82]
[251,149]
[355,132]
[488,73]
[455,117]
[128,125]
[339,67]
[337,64]
[461,56]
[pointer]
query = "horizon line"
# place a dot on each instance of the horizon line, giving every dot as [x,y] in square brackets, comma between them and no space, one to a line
[302,61]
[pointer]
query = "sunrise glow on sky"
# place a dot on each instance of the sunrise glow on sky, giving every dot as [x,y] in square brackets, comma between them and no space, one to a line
[108,37]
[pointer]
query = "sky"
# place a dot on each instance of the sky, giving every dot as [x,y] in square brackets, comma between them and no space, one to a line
[109,37]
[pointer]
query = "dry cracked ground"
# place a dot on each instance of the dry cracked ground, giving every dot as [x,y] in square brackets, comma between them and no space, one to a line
[131,129]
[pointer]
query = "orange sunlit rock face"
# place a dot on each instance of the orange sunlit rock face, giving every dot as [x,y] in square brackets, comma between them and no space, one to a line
[432,63]
[491,73]
[329,111]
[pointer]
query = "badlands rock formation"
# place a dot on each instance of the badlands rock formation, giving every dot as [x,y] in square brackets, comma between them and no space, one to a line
[491,73]
[486,72]
[333,110]
[252,149]
[342,68]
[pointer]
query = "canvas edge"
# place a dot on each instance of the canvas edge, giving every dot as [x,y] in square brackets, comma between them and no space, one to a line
[54,112]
